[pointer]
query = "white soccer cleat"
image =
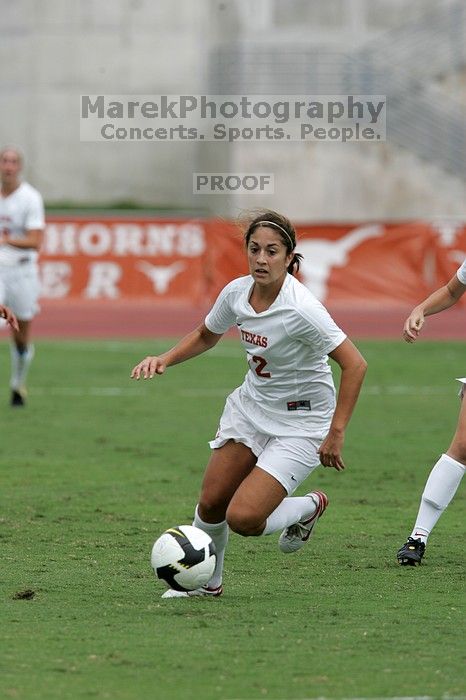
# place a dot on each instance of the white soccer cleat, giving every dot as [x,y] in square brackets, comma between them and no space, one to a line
[295,536]
[204,591]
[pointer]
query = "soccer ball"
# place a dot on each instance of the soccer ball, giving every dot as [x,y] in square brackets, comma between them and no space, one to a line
[184,557]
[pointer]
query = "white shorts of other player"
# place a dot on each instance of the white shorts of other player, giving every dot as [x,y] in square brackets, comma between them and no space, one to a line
[290,460]
[19,289]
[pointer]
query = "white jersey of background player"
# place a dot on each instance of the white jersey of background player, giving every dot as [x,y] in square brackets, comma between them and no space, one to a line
[21,231]
[283,421]
[448,471]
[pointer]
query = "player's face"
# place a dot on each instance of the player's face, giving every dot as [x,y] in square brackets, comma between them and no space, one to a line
[268,258]
[10,166]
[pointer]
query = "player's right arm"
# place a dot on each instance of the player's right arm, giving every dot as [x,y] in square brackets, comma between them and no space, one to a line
[438,301]
[193,344]
[32,235]
[9,317]
[31,240]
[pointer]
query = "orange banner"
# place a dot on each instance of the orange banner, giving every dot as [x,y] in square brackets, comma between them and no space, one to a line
[189,261]
[120,258]
[368,264]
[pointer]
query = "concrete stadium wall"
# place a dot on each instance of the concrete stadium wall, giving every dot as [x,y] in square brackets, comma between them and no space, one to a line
[53,50]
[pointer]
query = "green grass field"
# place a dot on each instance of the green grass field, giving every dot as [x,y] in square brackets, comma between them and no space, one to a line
[97,466]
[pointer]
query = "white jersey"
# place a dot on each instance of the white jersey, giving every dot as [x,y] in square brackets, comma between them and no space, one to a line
[21,211]
[289,387]
[461,273]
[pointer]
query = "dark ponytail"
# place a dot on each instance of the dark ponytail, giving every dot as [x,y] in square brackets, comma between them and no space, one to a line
[295,263]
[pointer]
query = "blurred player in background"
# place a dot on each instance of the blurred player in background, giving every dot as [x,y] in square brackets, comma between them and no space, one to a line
[283,421]
[21,232]
[448,471]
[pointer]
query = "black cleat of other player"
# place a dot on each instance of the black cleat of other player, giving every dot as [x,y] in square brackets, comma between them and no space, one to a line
[411,553]
[17,399]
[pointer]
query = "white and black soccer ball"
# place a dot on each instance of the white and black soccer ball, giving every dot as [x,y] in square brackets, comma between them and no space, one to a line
[184,557]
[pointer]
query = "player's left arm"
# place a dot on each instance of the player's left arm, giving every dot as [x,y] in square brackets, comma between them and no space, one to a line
[353,368]
[31,240]
[441,299]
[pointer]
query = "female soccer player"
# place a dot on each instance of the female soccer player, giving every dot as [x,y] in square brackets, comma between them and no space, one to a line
[21,233]
[448,471]
[283,420]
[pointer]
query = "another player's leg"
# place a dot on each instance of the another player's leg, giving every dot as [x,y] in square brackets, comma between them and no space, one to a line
[227,468]
[22,353]
[439,490]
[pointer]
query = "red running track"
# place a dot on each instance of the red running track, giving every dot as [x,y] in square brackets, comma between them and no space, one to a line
[124,319]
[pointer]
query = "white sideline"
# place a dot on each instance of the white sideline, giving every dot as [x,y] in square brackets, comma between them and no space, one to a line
[91,391]
[156,345]
[408,390]
[389,697]
[195,393]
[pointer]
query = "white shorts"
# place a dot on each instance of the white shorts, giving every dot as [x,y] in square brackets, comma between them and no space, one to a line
[19,289]
[289,460]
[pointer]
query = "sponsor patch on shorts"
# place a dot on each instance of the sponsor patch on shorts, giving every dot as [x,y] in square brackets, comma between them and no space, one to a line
[298,405]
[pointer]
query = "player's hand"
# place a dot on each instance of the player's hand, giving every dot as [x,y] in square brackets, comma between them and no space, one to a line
[149,366]
[9,317]
[413,325]
[330,450]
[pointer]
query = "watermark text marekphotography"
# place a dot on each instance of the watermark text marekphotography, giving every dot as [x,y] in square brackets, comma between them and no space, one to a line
[230,118]
[233,183]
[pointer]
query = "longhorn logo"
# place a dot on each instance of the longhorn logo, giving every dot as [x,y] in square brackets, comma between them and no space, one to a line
[161,275]
[321,255]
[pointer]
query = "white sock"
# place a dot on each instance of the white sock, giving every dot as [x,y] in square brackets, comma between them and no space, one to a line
[219,535]
[440,488]
[20,362]
[291,510]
